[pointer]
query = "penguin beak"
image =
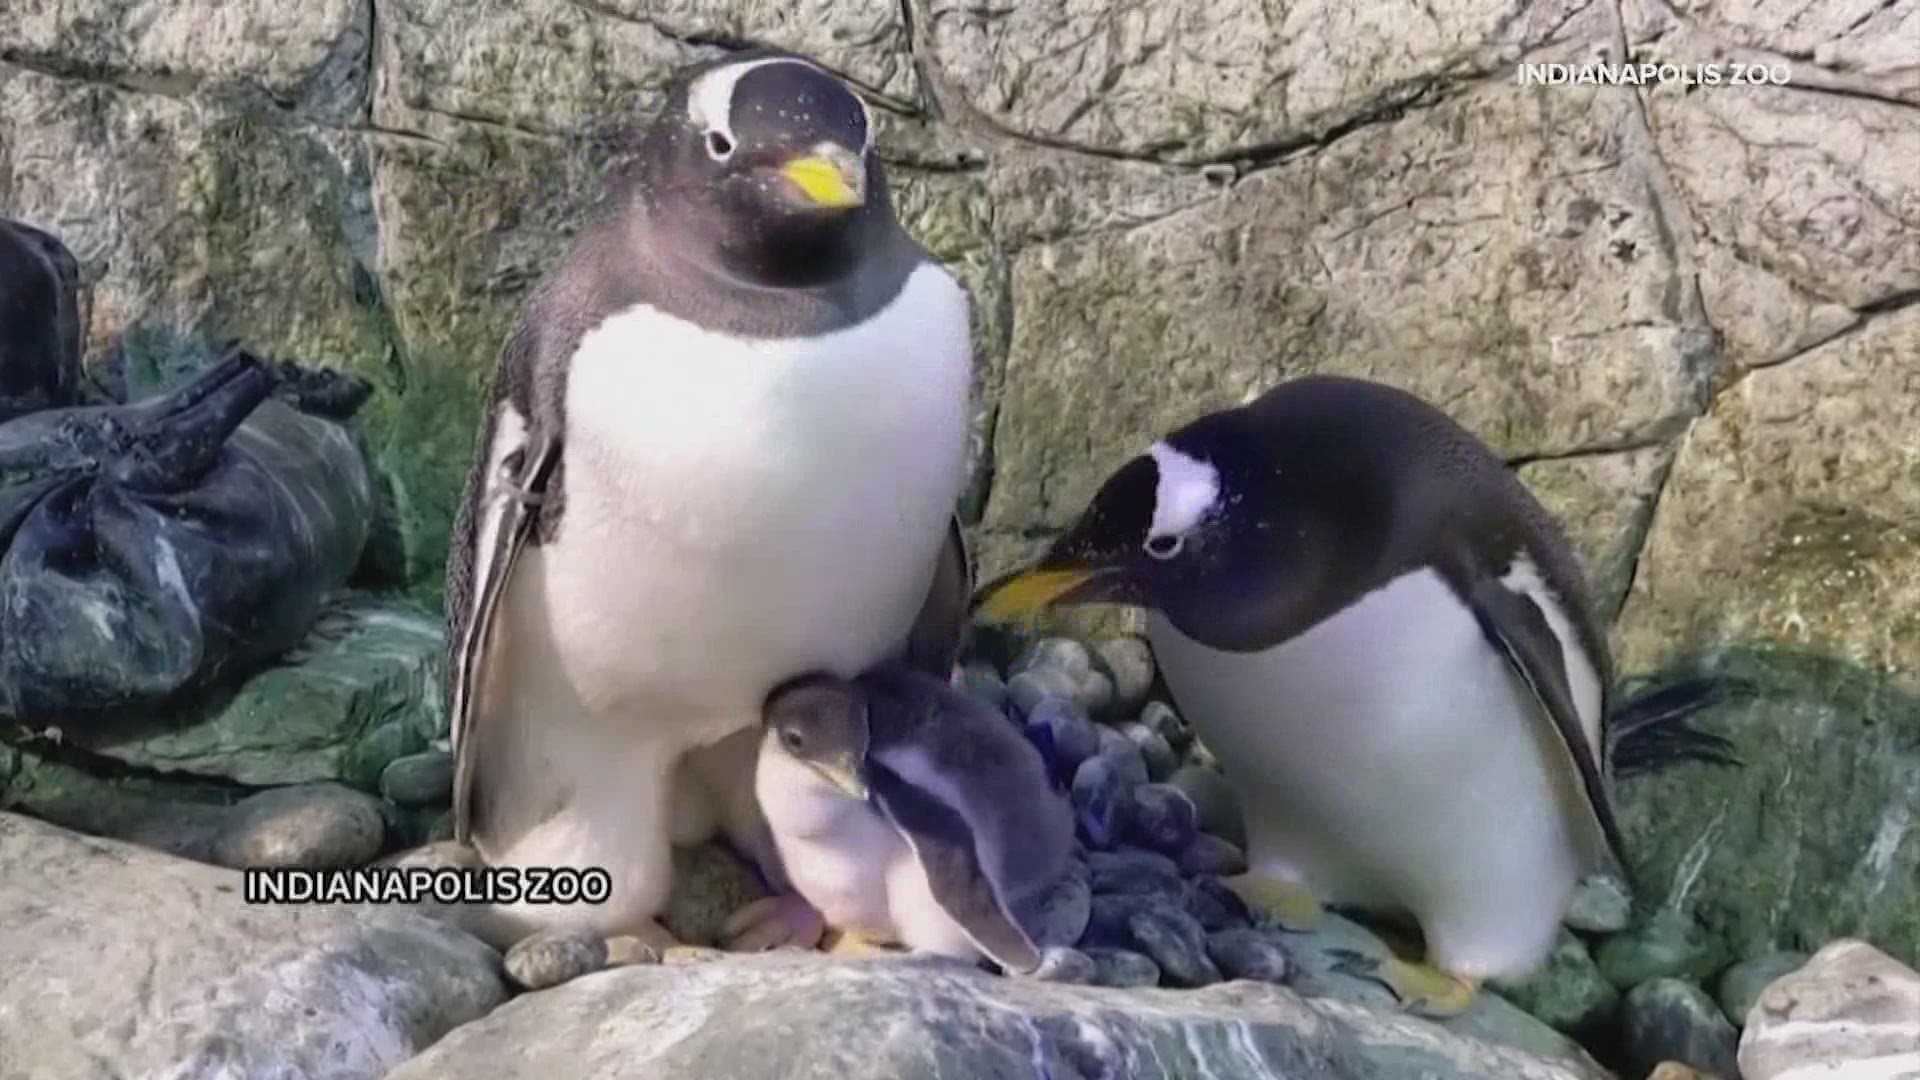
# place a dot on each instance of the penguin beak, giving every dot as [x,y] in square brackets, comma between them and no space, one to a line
[831,177]
[843,771]
[1024,594]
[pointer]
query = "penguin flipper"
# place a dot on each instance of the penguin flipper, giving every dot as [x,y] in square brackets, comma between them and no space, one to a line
[938,635]
[1514,624]
[496,543]
[944,846]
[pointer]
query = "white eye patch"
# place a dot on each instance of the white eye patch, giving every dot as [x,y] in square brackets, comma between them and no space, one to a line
[1188,490]
[710,99]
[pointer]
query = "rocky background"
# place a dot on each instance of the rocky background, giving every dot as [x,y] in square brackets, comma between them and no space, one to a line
[1691,319]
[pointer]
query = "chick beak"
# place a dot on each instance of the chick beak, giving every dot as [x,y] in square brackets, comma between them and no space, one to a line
[830,178]
[844,773]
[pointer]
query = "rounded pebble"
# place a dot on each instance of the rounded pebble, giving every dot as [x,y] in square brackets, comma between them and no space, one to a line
[1216,906]
[1674,1020]
[1740,985]
[1102,797]
[1130,661]
[423,779]
[1160,718]
[1133,870]
[1073,737]
[1108,917]
[1217,805]
[1567,993]
[1668,945]
[1160,759]
[1029,688]
[1126,754]
[369,756]
[312,825]
[552,957]
[1064,965]
[1208,854]
[1057,653]
[1162,819]
[1599,906]
[984,685]
[1176,941]
[1059,915]
[1249,954]
[1122,968]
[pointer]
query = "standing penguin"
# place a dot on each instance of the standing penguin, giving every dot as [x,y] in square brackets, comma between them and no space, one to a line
[1389,646]
[724,447]
[907,812]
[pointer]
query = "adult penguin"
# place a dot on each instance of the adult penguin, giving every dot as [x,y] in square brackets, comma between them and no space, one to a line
[724,447]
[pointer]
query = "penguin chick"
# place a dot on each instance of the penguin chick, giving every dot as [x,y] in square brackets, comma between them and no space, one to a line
[908,813]
[1388,644]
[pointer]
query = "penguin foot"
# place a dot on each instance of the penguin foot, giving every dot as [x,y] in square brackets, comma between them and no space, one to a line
[1290,903]
[784,920]
[1422,989]
[843,943]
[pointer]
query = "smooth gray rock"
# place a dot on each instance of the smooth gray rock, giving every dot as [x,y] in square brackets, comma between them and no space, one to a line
[1851,1010]
[1667,945]
[1102,798]
[1162,819]
[1126,756]
[1072,736]
[1123,968]
[1160,718]
[1208,854]
[125,962]
[315,825]
[1674,1020]
[1058,653]
[1129,661]
[1214,798]
[551,957]
[1160,758]
[1134,871]
[1741,985]
[1029,688]
[1599,906]
[423,779]
[983,684]
[1247,953]
[1568,993]
[755,1018]
[1064,965]
[1177,943]
[1216,906]
[1059,915]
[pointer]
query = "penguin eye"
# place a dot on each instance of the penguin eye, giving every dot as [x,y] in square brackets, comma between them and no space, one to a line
[1164,546]
[792,741]
[719,147]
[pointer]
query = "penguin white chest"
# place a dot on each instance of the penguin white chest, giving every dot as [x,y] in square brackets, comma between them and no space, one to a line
[741,510]
[1390,758]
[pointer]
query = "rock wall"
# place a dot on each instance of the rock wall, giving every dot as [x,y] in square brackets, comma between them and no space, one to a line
[1688,315]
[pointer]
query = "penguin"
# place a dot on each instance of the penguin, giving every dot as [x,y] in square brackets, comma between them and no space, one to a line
[724,445]
[39,321]
[1389,646]
[907,813]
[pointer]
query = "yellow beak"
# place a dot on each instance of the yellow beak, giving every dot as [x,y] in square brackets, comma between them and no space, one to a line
[1025,595]
[833,185]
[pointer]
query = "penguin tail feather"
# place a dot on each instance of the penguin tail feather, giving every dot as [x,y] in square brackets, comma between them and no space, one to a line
[1652,732]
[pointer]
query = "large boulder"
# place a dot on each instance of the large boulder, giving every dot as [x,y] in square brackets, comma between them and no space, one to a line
[1851,1011]
[747,1018]
[121,962]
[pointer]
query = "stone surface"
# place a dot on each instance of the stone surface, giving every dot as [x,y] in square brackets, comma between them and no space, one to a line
[1666,944]
[1740,986]
[423,779]
[552,957]
[740,1019]
[317,825]
[1213,797]
[1600,906]
[122,961]
[1246,953]
[1130,662]
[1789,517]
[1816,836]
[1852,1010]
[1674,1020]
[1605,502]
[710,883]
[1569,993]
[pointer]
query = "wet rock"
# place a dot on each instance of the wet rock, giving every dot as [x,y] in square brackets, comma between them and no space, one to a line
[366,761]
[1568,993]
[1741,985]
[1674,1020]
[552,957]
[1852,1010]
[1134,872]
[1208,854]
[1102,799]
[1216,906]
[1130,662]
[1058,653]
[1217,806]
[1599,906]
[1059,915]
[314,825]
[1160,718]
[1110,913]
[1177,943]
[1029,688]
[423,779]
[1123,968]
[1249,954]
[1063,965]
[1162,819]
[1161,761]
[1071,735]
[1126,755]
[1063,666]
[983,684]
[1667,945]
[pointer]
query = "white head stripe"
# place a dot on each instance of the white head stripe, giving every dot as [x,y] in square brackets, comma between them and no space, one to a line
[710,98]
[1188,488]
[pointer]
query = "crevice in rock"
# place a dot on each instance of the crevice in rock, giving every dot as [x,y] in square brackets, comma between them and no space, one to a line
[103,767]
[1643,532]
[1659,434]
[1867,313]
[176,87]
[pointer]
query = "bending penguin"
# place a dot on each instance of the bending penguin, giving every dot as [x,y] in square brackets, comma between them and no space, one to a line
[1389,646]
[724,446]
[907,813]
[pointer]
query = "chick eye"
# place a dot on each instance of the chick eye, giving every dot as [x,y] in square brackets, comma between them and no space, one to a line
[792,741]
[1165,546]
[719,147]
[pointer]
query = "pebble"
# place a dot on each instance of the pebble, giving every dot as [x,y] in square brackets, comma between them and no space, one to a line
[1063,965]
[679,955]
[1102,799]
[1208,854]
[1216,906]
[1668,945]
[1198,755]
[1109,916]
[1122,968]
[1160,718]
[1029,688]
[1066,665]
[984,685]
[1130,662]
[552,957]
[1218,807]
[423,779]
[1674,1020]
[1162,819]
[1071,737]
[364,762]
[1249,954]
[1177,943]
[1568,993]
[311,825]
[1126,754]
[1134,872]
[1057,653]
[1599,906]
[1059,915]
[1160,759]
[1741,984]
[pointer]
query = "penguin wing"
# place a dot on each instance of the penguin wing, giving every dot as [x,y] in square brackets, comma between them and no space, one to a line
[944,846]
[1515,625]
[938,634]
[497,517]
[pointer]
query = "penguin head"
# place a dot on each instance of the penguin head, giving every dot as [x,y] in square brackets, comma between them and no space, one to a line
[762,166]
[821,722]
